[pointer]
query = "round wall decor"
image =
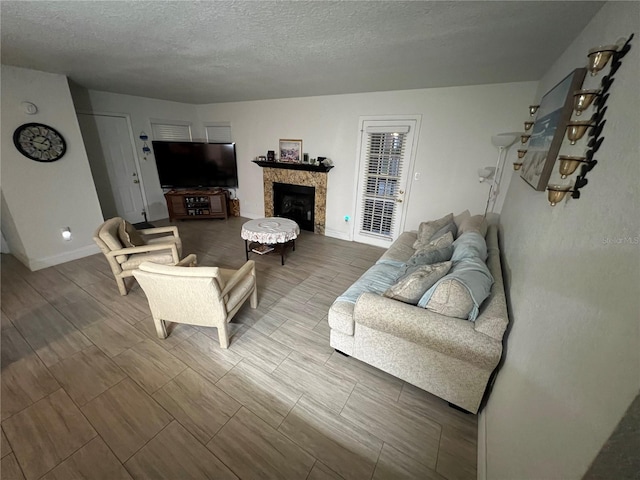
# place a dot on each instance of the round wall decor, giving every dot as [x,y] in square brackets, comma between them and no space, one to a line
[39,142]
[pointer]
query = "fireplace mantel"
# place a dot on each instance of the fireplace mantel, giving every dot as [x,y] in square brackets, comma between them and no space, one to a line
[293,166]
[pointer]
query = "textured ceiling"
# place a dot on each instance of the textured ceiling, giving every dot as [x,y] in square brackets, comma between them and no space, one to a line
[221,51]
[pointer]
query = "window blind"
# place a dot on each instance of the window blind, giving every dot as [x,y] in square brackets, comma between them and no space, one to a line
[171,131]
[218,133]
[385,151]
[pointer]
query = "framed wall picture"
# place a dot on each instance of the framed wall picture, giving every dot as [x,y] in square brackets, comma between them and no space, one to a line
[290,150]
[549,130]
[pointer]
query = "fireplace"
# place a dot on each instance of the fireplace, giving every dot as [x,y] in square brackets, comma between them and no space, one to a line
[296,202]
[303,175]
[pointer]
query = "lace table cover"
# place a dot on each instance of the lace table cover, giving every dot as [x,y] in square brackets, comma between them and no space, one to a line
[270,230]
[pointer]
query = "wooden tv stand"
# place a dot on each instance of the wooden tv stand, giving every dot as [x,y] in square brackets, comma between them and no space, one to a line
[192,204]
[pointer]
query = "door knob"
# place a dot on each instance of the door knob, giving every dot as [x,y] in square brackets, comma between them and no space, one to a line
[136,181]
[398,200]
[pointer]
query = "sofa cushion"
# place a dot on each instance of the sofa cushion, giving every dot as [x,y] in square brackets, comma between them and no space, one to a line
[427,229]
[129,236]
[437,243]
[400,250]
[376,280]
[410,287]
[429,256]
[477,223]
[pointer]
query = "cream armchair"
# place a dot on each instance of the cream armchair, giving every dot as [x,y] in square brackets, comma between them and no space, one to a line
[205,296]
[123,260]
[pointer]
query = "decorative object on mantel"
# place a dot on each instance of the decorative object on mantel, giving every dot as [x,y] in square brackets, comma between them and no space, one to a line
[294,166]
[549,128]
[556,193]
[533,109]
[290,150]
[503,141]
[271,156]
[598,58]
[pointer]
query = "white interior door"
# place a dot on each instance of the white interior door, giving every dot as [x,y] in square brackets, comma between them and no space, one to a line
[108,142]
[384,167]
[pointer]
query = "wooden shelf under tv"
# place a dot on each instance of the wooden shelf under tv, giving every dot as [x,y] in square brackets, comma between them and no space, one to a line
[192,204]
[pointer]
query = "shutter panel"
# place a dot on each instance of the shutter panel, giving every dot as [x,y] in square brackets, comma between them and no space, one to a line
[385,152]
[171,131]
[219,133]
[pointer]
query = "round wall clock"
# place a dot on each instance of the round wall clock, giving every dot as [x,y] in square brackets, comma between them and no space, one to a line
[39,142]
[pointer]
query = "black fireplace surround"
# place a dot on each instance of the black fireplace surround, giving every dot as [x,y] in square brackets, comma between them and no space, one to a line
[296,202]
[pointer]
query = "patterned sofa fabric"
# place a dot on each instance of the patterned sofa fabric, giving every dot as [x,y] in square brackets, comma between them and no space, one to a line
[449,357]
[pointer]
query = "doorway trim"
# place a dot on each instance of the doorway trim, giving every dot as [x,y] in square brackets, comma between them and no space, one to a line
[136,158]
[417,118]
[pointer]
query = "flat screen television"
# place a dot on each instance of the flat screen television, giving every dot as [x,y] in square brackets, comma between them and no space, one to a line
[196,164]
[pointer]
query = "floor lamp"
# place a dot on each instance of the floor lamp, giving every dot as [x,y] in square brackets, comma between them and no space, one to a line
[503,141]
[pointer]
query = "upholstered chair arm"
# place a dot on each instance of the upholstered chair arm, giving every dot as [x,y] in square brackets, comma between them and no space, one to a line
[249,268]
[148,248]
[152,231]
[190,260]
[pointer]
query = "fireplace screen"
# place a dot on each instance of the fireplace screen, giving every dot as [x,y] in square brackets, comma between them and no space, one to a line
[296,202]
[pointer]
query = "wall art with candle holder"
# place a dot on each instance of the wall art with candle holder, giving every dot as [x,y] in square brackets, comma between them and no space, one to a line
[598,59]
[543,138]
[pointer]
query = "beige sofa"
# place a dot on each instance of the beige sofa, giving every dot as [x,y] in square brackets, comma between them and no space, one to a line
[448,357]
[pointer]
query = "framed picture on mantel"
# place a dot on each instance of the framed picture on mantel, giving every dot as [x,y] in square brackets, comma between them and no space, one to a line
[549,130]
[290,150]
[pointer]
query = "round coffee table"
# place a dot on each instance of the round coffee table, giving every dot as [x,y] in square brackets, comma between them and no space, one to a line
[272,232]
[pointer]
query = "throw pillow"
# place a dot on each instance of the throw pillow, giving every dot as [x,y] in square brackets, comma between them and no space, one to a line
[461,292]
[452,299]
[427,229]
[449,227]
[129,236]
[428,257]
[440,242]
[458,219]
[410,287]
[477,223]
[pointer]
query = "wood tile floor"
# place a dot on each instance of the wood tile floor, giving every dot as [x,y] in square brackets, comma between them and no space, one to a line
[89,391]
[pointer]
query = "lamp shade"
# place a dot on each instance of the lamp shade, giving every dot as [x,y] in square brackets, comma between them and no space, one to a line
[504,139]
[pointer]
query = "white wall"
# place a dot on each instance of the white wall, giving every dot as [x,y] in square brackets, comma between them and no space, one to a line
[140,110]
[39,199]
[573,356]
[455,140]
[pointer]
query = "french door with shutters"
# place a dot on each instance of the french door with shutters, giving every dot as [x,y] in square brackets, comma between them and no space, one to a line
[387,151]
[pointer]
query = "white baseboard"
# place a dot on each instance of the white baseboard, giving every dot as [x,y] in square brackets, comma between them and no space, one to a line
[337,234]
[45,262]
[251,215]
